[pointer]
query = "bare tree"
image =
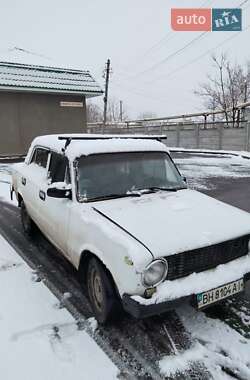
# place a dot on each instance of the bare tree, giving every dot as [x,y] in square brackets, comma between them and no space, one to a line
[94,113]
[226,88]
[113,115]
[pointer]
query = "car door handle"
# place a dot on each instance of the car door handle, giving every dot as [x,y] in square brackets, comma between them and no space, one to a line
[23,181]
[42,195]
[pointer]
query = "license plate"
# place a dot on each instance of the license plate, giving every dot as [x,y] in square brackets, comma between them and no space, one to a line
[218,294]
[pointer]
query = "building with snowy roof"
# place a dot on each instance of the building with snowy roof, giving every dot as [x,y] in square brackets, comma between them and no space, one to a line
[39,100]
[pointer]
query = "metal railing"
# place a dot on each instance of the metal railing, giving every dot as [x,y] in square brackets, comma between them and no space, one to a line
[194,131]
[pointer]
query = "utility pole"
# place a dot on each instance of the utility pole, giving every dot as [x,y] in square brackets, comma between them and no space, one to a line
[121,111]
[214,108]
[106,77]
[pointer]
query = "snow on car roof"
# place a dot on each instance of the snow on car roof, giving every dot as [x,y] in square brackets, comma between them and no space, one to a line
[97,144]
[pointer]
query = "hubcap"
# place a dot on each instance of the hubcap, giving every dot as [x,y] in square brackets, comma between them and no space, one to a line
[97,290]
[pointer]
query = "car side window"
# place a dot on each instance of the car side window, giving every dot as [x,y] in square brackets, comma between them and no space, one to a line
[40,157]
[59,168]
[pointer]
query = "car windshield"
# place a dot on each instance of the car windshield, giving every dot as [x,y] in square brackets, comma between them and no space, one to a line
[126,174]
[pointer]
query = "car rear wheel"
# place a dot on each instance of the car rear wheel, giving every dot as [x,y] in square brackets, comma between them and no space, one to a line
[27,222]
[102,294]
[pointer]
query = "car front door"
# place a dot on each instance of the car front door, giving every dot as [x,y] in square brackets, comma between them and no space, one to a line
[56,210]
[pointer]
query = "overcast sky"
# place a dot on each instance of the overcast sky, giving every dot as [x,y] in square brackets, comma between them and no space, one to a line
[134,34]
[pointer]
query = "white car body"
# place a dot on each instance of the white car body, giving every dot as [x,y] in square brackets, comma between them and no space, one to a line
[127,234]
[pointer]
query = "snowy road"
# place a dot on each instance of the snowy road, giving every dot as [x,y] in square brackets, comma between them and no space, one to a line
[136,347]
[224,177]
[158,347]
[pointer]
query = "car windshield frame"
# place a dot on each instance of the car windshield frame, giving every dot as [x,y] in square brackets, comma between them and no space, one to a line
[83,199]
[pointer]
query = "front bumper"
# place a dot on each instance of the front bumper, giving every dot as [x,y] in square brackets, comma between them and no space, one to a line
[138,310]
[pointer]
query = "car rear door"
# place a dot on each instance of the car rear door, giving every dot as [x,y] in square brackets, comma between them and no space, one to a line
[32,177]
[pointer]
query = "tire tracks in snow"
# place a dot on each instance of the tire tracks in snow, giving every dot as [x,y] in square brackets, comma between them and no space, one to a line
[136,347]
[235,312]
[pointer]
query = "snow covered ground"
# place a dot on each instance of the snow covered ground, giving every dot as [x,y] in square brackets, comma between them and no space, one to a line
[39,340]
[243,154]
[199,169]
[5,180]
[224,351]
[218,345]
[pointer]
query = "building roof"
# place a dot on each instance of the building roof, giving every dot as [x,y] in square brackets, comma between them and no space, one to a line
[33,78]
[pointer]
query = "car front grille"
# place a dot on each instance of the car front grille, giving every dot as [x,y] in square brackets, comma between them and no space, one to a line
[202,259]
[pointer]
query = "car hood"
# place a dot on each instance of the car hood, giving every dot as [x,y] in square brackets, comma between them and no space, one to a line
[169,223]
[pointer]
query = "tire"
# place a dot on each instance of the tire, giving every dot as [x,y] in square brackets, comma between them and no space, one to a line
[102,294]
[27,222]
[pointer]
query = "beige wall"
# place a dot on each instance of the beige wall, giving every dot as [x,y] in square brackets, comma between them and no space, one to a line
[24,116]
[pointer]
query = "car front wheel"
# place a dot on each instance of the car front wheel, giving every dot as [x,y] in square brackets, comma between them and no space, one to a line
[101,292]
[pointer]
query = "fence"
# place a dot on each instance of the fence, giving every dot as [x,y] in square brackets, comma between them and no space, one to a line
[192,135]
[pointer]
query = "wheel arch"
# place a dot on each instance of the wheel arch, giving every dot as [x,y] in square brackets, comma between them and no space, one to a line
[86,256]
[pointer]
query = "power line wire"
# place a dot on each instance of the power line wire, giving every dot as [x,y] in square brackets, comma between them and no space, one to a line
[177,52]
[244,2]
[161,99]
[189,63]
[19,49]
[170,56]
[169,36]
[165,39]
[31,53]
[204,54]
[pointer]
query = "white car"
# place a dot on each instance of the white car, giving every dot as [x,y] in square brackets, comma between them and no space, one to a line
[118,209]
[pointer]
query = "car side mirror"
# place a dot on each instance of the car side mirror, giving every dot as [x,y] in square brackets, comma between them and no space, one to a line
[184,179]
[54,192]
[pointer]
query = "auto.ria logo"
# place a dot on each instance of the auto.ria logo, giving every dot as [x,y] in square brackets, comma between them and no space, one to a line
[206,19]
[227,20]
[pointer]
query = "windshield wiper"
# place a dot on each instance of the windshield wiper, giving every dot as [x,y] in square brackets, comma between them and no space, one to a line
[154,189]
[133,193]
[112,196]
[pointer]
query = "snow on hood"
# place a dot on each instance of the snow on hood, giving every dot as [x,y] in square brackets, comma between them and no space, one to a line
[169,223]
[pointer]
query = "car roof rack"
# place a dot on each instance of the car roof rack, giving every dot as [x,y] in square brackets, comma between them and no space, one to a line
[68,139]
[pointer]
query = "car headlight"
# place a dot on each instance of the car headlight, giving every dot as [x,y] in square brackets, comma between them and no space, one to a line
[155,273]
